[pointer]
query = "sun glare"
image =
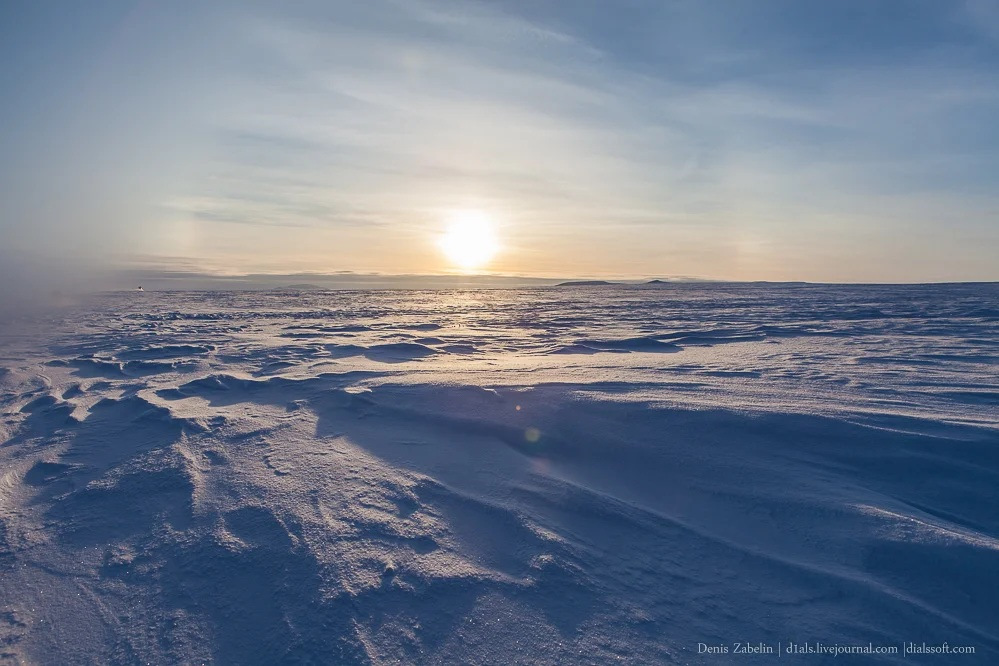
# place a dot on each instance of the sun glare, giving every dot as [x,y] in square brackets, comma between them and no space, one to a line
[470,240]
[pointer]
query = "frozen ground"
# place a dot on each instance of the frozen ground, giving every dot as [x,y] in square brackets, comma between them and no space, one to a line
[574,475]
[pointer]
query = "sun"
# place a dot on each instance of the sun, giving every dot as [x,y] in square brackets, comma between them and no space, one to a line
[470,239]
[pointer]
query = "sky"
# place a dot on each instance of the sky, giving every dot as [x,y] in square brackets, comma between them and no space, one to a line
[846,141]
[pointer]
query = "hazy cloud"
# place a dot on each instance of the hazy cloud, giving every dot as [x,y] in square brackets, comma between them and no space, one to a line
[639,136]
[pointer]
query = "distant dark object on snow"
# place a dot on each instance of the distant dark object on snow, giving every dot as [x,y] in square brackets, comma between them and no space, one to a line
[140,288]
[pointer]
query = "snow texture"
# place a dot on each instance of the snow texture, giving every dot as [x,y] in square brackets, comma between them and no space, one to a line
[544,476]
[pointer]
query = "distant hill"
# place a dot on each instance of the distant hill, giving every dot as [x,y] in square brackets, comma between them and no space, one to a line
[585,283]
[678,280]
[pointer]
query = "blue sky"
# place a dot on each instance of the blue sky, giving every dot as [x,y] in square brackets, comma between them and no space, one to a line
[836,141]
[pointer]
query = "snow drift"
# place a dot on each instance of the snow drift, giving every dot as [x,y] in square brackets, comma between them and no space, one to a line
[516,476]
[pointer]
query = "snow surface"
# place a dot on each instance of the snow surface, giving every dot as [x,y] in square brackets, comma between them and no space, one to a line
[536,476]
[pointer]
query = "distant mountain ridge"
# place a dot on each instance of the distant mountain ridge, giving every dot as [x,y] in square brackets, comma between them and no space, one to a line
[585,283]
[304,286]
[627,283]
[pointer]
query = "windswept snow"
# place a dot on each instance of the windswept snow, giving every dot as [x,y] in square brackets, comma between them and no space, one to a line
[609,475]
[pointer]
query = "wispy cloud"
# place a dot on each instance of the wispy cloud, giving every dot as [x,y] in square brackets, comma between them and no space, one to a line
[647,136]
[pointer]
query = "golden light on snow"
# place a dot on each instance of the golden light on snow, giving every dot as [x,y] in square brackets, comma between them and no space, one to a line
[470,239]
